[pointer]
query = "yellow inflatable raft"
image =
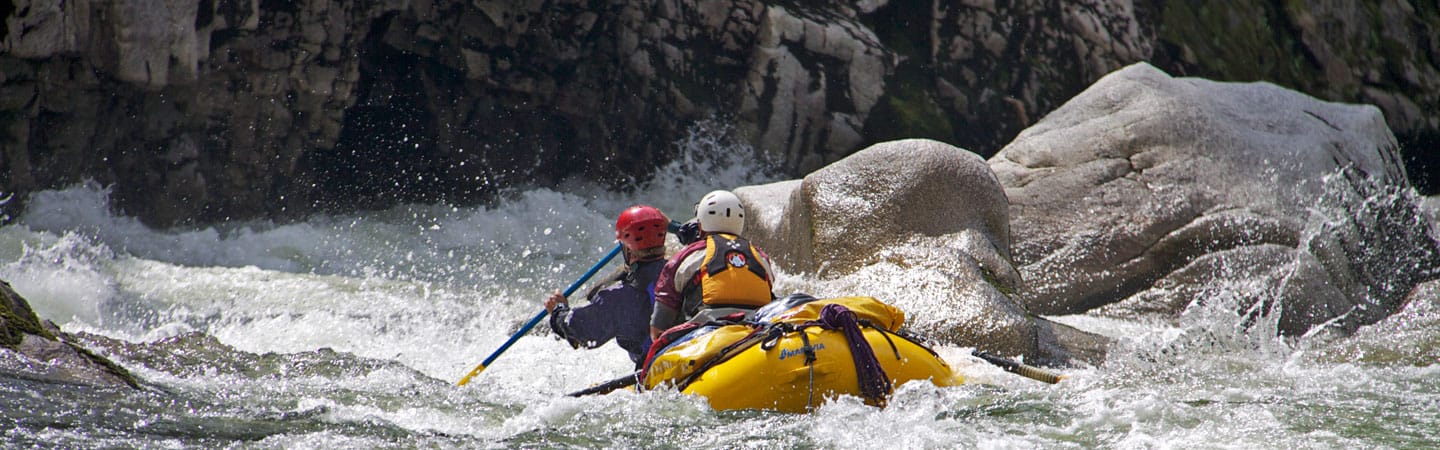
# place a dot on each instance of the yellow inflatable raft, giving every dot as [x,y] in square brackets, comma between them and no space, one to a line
[795,354]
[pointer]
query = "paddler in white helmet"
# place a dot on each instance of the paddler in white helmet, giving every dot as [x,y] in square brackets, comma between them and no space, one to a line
[719,274]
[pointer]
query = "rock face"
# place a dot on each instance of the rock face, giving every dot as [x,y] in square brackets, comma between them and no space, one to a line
[920,224]
[1368,52]
[242,108]
[1148,194]
[35,349]
[203,111]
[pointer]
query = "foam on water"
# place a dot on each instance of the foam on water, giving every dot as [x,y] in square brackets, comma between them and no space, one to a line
[63,276]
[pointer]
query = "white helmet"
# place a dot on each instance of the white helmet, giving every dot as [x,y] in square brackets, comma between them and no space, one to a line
[720,212]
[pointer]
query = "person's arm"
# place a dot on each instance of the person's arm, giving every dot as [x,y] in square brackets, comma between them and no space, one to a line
[559,309]
[768,265]
[664,314]
[614,276]
[662,319]
[587,326]
[765,263]
[667,291]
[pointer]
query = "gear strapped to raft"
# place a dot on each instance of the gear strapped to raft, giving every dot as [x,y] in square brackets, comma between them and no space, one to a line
[770,327]
[874,383]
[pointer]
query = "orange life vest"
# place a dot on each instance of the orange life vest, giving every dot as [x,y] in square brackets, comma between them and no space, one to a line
[722,281]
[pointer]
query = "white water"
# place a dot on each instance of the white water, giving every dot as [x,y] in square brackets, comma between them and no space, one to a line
[350,331]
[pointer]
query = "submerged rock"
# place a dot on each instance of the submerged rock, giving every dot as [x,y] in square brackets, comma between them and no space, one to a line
[1407,337]
[35,349]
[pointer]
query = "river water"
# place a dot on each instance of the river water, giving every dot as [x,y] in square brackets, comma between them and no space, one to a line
[350,331]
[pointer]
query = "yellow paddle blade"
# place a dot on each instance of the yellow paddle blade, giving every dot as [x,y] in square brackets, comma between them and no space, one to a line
[473,372]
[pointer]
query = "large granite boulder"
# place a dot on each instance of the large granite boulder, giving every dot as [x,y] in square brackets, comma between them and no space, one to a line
[917,223]
[1148,194]
[36,349]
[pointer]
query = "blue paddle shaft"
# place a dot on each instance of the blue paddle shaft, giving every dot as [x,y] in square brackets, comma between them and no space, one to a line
[541,315]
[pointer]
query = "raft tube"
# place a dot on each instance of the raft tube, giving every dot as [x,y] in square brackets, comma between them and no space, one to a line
[786,359]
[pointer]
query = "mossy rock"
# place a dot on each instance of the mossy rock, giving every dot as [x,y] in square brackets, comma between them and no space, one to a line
[907,110]
[17,320]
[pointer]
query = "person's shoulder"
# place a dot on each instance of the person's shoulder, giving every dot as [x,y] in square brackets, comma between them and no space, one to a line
[649,269]
[688,251]
[689,260]
[693,246]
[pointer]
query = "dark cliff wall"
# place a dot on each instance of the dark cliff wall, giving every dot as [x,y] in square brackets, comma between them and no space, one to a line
[219,109]
[1383,53]
[244,108]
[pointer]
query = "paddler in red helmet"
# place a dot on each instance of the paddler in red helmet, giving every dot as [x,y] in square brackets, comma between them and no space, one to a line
[619,311]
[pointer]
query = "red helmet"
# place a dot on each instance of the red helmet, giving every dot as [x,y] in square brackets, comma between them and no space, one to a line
[641,227]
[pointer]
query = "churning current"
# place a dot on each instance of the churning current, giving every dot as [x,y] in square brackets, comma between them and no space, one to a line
[349,331]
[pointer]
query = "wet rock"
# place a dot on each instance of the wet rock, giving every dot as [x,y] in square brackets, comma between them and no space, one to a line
[812,83]
[1430,207]
[922,225]
[1147,194]
[35,349]
[1407,337]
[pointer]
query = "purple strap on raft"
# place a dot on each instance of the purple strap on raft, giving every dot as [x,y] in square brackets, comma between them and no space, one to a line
[874,383]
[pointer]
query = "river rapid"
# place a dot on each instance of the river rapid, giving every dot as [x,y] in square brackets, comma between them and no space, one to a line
[350,331]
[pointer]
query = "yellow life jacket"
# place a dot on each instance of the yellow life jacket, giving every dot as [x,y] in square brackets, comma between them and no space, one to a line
[722,280]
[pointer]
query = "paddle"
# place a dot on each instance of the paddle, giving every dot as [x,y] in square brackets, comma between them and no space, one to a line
[627,380]
[1016,367]
[541,315]
[1019,368]
[1028,371]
